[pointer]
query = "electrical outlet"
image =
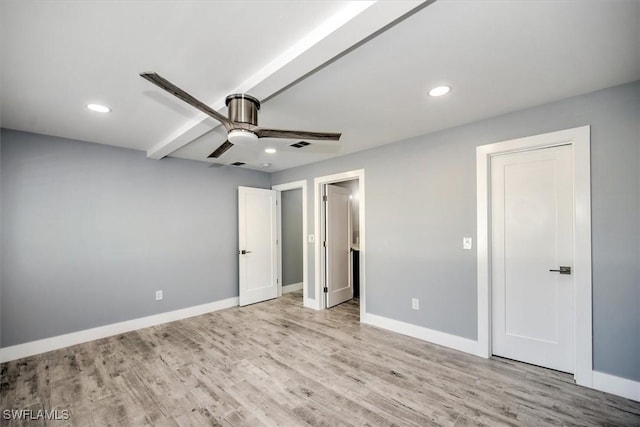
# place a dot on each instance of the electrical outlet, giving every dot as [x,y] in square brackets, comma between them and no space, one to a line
[415,303]
[467,243]
[158,295]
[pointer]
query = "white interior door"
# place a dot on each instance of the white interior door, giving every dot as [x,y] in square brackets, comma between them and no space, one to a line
[532,234]
[338,245]
[257,253]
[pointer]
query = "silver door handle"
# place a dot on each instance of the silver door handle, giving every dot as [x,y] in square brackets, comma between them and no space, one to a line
[563,270]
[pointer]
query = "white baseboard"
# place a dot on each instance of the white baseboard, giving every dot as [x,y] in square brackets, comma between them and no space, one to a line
[292,288]
[436,337]
[616,385]
[54,343]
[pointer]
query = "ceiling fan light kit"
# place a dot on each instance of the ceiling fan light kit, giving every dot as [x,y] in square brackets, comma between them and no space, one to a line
[242,123]
[242,138]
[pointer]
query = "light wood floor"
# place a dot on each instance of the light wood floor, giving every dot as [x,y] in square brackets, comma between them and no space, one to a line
[277,363]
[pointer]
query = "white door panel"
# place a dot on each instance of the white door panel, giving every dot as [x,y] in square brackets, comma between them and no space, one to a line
[532,233]
[338,245]
[257,238]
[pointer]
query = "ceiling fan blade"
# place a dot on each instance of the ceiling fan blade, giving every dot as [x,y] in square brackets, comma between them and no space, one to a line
[165,84]
[220,150]
[295,134]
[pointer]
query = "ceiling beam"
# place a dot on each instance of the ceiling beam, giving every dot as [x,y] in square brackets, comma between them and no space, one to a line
[355,22]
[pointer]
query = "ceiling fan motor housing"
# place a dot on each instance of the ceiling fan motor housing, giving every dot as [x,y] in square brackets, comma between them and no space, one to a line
[243,108]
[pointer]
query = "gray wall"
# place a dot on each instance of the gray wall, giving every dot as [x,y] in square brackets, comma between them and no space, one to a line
[421,200]
[91,231]
[291,236]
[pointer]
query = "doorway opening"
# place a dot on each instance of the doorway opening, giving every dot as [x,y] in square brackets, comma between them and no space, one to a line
[340,242]
[292,239]
[345,189]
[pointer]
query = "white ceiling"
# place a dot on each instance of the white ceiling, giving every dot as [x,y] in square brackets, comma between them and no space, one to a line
[498,56]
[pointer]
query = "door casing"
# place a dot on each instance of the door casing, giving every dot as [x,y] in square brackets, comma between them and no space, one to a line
[579,139]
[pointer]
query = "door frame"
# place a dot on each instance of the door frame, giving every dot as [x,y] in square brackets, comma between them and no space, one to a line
[318,182]
[579,139]
[279,189]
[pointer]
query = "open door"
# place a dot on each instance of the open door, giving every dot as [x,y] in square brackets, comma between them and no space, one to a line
[338,277]
[257,253]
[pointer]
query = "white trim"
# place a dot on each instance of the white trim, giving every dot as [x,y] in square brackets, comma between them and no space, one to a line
[54,343]
[616,385]
[306,300]
[582,256]
[279,240]
[318,182]
[435,337]
[291,288]
[579,139]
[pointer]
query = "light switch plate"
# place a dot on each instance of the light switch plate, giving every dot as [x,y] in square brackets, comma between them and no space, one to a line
[467,243]
[312,238]
[415,303]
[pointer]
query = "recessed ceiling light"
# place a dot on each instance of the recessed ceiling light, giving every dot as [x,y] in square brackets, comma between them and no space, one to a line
[266,165]
[269,150]
[98,108]
[439,91]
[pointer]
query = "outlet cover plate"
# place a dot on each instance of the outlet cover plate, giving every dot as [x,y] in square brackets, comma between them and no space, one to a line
[467,243]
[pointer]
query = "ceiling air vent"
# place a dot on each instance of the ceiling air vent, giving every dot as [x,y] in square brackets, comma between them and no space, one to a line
[300,144]
[237,163]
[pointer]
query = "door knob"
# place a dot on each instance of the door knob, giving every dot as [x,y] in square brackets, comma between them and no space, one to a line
[563,270]
[243,252]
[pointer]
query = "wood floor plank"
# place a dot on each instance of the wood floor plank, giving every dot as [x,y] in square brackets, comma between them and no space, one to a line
[277,363]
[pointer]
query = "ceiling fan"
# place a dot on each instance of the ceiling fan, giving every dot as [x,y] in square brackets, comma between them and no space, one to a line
[242,123]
